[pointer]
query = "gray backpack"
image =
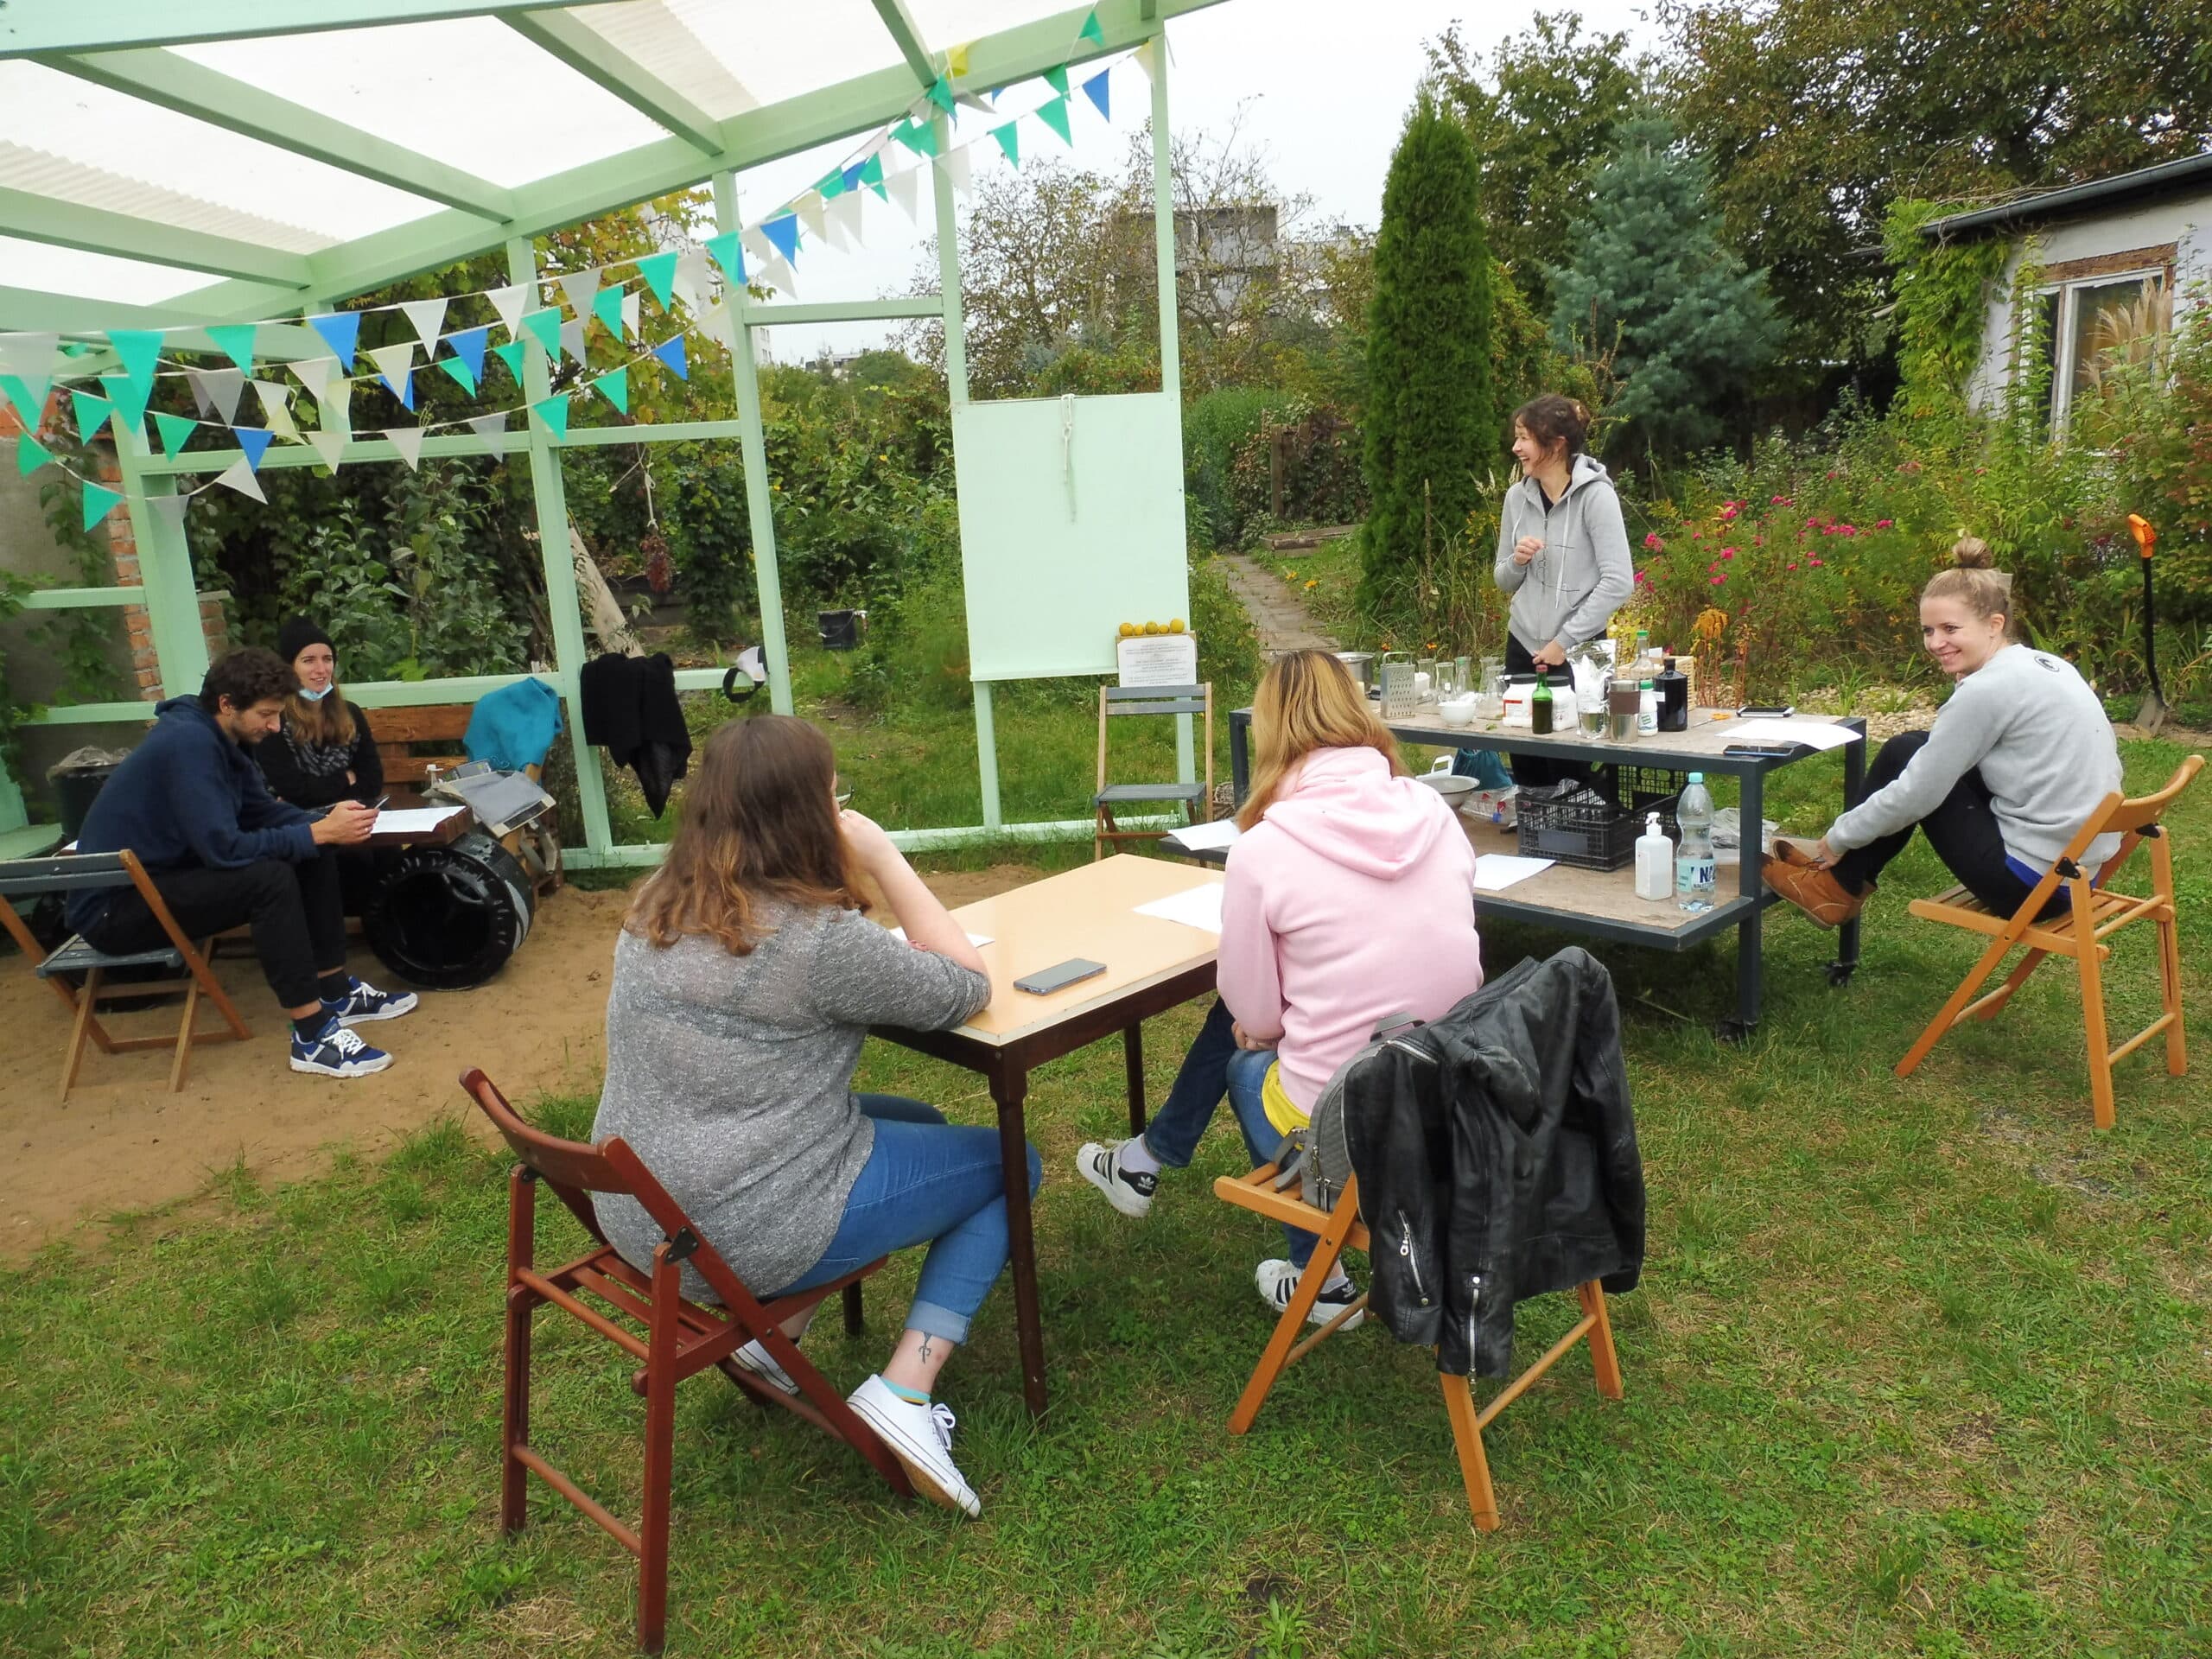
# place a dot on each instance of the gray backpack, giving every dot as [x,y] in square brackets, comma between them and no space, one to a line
[1318,1156]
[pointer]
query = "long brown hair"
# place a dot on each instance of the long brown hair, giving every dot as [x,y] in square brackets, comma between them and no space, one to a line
[759,824]
[328,723]
[1308,700]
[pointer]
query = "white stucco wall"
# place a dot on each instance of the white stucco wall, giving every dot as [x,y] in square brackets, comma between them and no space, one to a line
[2183,220]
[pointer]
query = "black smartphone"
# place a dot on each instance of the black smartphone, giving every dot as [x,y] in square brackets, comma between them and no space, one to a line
[1045,981]
[1765,711]
[1761,749]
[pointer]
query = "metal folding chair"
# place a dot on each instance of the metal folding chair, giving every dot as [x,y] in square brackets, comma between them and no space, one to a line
[1118,701]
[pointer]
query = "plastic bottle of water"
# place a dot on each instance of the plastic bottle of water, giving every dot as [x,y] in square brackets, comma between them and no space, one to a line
[1696,869]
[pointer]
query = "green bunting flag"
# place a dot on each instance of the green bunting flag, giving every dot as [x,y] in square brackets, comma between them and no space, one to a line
[140,350]
[99,501]
[30,402]
[1055,115]
[724,248]
[234,340]
[460,372]
[606,306]
[831,184]
[614,386]
[920,137]
[91,414]
[1010,141]
[510,354]
[30,456]
[1058,80]
[175,430]
[660,271]
[553,411]
[941,94]
[872,176]
[127,396]
[1091,31]
[544,327]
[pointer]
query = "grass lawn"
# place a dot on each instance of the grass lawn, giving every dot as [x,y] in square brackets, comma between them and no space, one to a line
[1918,1367]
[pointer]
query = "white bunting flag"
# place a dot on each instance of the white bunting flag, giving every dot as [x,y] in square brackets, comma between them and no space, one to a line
[572,338]
[428,316]
[30,357]
[630,313]
[395,363]
[844,221]
[811,214]
[314,373]
[171,510]
[719,323]
[338,406]
[408,440]
[958,169]
[1147,59]
[779,276]
[759,246]
[490,428]
[578,287]
[239,476]
[905,188]
[694,279]
[276,410]
[224,388]
[508,302]
[202,404]
[331,445]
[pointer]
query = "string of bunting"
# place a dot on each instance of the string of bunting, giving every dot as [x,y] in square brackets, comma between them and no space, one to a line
[829,211]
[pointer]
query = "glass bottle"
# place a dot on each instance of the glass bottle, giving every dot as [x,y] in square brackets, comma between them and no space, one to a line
[1539,708]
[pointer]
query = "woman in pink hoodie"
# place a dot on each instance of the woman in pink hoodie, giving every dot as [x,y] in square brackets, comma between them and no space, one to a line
[1350,898]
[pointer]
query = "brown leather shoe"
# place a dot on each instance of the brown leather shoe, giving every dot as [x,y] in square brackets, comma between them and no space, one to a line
[1794,849]
[1815,892]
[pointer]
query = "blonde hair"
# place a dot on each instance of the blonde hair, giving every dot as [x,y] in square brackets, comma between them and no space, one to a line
[1974,581]
[1308,700]
[327,723]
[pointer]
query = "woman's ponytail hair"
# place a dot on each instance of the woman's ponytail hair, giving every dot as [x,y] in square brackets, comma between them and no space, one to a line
[1551,417]
[1975,580]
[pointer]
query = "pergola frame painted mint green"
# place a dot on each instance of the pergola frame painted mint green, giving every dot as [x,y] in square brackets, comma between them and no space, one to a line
[120,44]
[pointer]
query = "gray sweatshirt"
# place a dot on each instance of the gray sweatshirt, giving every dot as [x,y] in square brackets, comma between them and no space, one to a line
[2044,747]
[1570,590]
[731,1077]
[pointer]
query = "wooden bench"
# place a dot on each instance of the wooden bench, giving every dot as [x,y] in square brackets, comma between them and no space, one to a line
[399,730]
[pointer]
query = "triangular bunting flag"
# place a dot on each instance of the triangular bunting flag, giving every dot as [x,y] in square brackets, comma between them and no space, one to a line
[941,94]
[695,278]
[1054,114]
[783,232]
[127,396]
[238,476]
[671,352]
[100,500]
[408,440]
[779,276]
[832,184]
[396,368]
[31,455]
[606,306]
[572,338]
[1147,56]
[91,414]
[614,386]
[872,174]
[1058,80]
[235,341]
[844,218]
[544,327]
[488,427]
[338,406]
[919,136]
[510,354]
[632,302]
[1009,137]
[174,431]
[341,332]
[331,445]
[759,246]
[955,62]
[201,403]
[468,345]
[30,357]
[960,169]
[553,411]
[724,248]
[225,387]
[814,214]
[170,509]
[906,190]
[28,395]
[255,441]
[428,316]
[578,287]
[508,302]
[660,271]
[1091,31]
[314,374]
[460,372]
[719,324]
[140,350]
[1096,89]
[276,410]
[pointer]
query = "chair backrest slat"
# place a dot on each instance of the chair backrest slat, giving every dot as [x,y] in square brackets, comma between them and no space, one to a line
[2132,814]
[26,877]
[572,1169]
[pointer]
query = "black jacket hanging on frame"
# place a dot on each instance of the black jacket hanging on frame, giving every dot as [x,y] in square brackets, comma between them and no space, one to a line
[630,709]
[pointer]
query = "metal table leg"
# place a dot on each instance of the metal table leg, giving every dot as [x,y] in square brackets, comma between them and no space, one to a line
[1008,1094]
[1240,759]
[1133,1059]
[1752,816]
[1854,786]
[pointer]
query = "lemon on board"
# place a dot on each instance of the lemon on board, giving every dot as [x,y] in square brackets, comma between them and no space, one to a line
[1152,627]
[1129,630]
[1178,627]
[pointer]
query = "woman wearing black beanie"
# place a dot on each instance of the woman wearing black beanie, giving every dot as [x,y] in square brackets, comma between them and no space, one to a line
[324,753]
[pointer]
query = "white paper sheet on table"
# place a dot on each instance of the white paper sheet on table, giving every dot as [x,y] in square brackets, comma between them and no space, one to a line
[1814,734]
[1199,908]
[1495,872]
[1203,838]
[413,820]
[979,940]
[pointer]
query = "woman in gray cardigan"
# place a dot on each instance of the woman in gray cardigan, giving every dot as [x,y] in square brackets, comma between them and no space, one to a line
[745,979]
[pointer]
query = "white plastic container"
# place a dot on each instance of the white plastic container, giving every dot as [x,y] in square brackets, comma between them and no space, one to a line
[1655,861]
[1646,710]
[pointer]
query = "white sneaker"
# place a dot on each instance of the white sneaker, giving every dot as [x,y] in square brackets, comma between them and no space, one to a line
[1126,1189]
[1278,1283]
[921,1438]
[760,1363]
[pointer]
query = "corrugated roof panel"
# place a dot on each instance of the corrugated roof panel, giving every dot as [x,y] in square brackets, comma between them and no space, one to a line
[653,35]
[24,169]
[776,50]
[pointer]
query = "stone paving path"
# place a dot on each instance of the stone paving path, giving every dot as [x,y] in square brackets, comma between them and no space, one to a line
[1274,607]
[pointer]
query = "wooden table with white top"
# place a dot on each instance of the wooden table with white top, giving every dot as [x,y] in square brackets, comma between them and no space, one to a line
[1151,965]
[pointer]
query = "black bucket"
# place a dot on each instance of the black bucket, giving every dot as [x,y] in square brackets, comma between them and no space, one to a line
[75,791]
[840,630]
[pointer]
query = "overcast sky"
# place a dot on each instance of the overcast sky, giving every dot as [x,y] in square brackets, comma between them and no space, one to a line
[1323,86]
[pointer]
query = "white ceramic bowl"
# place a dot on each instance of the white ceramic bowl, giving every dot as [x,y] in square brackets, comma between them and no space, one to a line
[1460,711]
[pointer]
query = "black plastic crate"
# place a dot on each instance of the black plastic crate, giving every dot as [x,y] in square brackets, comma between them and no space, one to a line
[1598,835]
[1646,789]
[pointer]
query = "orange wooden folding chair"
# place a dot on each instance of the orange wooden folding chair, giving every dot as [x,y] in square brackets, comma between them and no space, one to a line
[680,1337]
[186,961]
[2095,914]
[1340,1230]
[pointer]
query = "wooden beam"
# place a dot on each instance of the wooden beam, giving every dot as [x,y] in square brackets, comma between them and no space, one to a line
[179,84]
[96,230]
[30,28]
[593,56]
[908,35]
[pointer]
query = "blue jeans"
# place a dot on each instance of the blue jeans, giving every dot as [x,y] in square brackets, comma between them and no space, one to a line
[1214,1067]
[926,1181]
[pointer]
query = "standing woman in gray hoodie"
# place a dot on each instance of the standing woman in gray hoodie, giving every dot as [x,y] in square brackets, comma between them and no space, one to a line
[1562,550]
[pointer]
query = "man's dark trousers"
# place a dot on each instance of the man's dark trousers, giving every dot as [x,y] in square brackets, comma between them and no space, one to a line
[296,913]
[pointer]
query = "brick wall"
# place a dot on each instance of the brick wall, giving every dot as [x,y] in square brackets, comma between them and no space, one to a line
[122,547]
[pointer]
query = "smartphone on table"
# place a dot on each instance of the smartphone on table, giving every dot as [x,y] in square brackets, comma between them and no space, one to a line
[1059,976]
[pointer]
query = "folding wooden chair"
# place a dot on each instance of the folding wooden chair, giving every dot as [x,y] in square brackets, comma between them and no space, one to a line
[187,961]
[680,1337]
[1118,701]
[2097,912]
[1340,1230]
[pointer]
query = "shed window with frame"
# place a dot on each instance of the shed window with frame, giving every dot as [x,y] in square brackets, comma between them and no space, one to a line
[2099,316]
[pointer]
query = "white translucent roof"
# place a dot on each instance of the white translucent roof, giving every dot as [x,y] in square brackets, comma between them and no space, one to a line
[146,165]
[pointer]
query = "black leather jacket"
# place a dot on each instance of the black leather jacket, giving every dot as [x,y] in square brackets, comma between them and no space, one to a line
[1497,1160]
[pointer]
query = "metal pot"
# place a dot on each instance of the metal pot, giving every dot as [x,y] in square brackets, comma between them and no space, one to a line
[1361,665]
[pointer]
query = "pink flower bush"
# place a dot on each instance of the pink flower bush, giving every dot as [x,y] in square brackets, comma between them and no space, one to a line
[1653,544]
[1727,552]
[1884,523]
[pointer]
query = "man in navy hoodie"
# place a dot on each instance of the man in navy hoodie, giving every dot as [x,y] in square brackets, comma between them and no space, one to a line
[222,850]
